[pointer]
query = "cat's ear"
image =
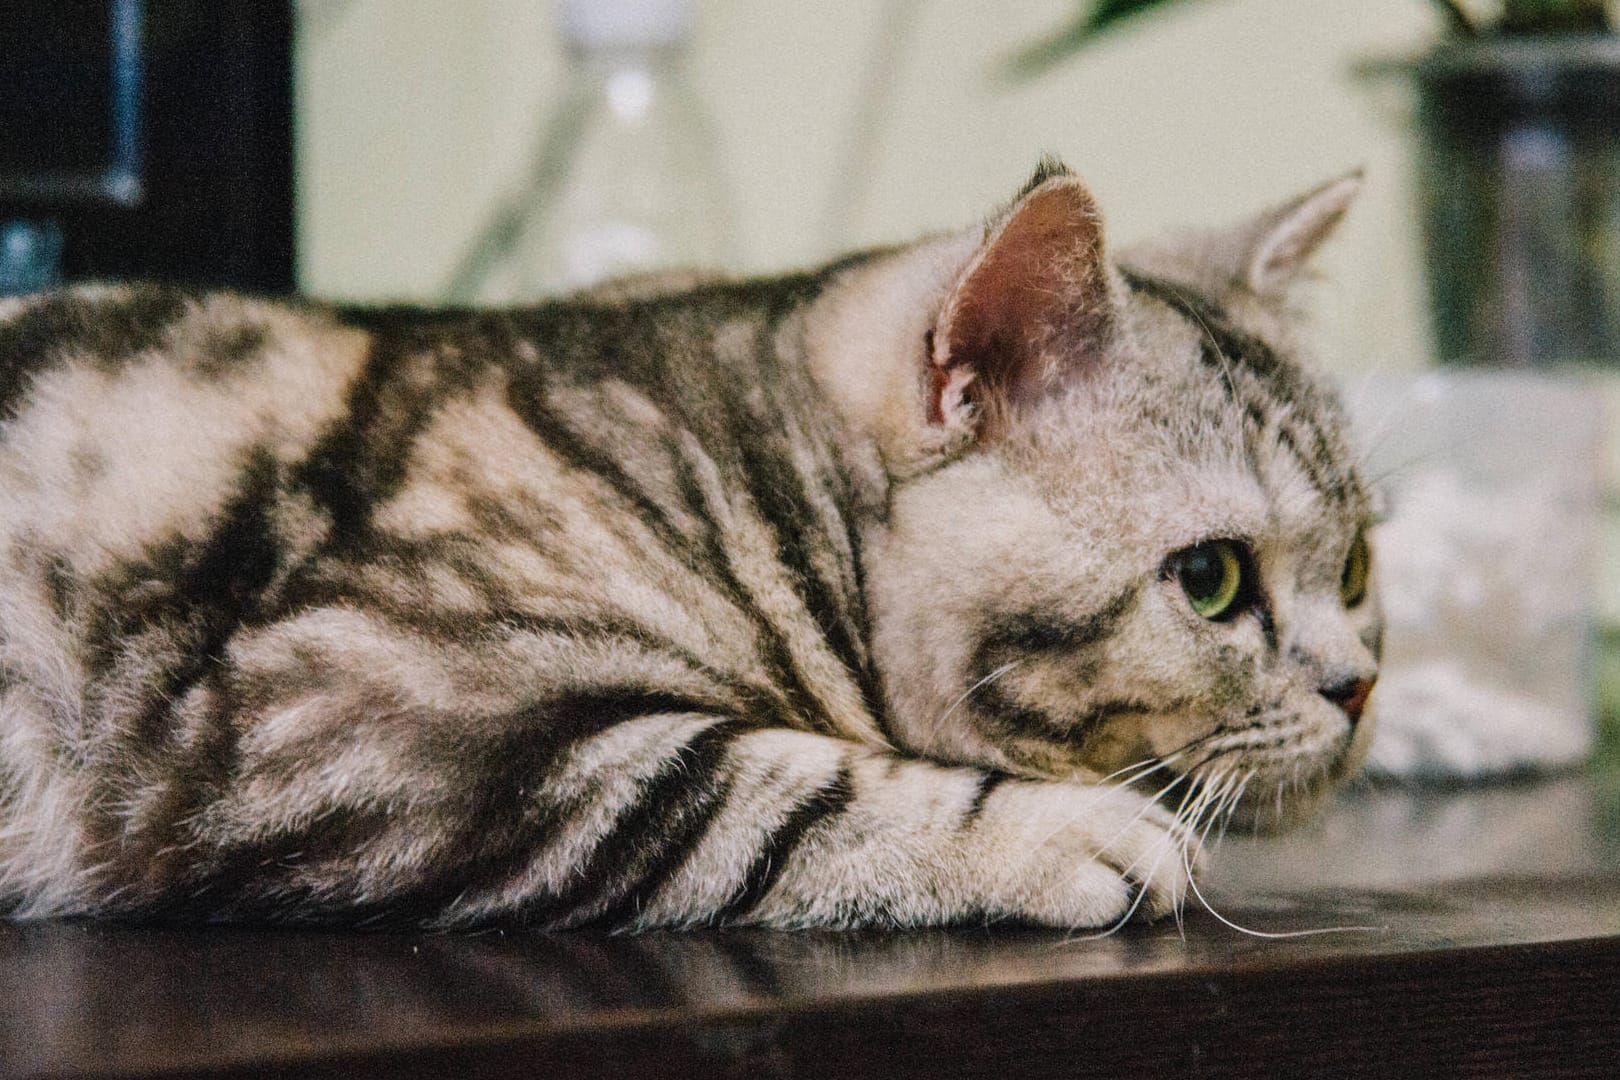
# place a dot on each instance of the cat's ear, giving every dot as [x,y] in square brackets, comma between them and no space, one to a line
[1279,243]
[1030,308]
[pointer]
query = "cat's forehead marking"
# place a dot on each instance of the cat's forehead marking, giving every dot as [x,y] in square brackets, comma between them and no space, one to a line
[1281,407]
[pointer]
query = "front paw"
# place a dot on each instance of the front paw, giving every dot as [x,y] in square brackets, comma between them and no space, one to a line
[1076,856]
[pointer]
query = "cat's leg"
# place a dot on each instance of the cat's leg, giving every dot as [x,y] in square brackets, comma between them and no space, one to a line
[688,820]
[666,819]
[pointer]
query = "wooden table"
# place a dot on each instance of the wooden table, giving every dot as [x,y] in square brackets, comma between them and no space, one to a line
[1495,951]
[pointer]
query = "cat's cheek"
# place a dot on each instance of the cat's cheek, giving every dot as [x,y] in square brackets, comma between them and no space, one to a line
[1120,744]
[1138,739]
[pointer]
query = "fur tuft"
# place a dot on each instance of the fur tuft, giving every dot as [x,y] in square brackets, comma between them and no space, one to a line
[1049,167]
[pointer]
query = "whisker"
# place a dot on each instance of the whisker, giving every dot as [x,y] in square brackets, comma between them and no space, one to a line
[970,691]
[1231,810]
[1272,934]
[1160,763]
[1209,808]
[1114,927]
[1136,904]
[1133,765]
[1219,809]
[1147,807]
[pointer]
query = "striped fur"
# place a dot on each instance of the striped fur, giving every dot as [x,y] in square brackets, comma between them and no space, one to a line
[659,606]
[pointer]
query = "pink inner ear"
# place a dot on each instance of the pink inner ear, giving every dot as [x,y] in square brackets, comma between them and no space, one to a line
[947,389]
[1031,303]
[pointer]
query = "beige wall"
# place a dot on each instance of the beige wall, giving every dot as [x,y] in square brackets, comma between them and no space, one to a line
[415,114]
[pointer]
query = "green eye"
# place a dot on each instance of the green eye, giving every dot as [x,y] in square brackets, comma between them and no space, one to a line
[1212,574]
[1353,583]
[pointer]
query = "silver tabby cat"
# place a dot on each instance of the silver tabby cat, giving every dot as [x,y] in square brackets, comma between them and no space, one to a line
[970,580]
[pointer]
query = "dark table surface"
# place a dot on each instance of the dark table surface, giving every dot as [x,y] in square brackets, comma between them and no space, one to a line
[1487,943]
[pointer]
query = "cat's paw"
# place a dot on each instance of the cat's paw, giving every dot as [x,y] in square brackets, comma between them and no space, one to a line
[1076,856]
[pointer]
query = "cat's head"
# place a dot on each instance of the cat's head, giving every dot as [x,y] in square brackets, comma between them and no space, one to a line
[1126,524]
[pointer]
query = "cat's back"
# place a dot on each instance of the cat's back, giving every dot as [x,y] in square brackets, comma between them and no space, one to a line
[128,413]
[184,474]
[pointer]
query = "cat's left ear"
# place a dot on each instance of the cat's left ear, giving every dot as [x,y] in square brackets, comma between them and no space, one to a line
[1279,244]
[1032,306]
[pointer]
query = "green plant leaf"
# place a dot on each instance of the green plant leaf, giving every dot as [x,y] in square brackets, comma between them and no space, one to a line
[1457,18]
[1105,13]
[1095,19]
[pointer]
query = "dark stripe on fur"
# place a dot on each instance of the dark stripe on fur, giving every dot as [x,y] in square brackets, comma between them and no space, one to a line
[820,806]
[1004,719]
[1019,633]
[224,351]
[507,824]
[267,881]
[1023,635]
[1244,362]
[777,657]
[102,331]
[651,838]
[492,834]
[1282,418]
[1314,465]
[198,762]
[741,693]
[186,597]
[361,460]
[988,783]
[528,398]
[790,506]
[740,418]
[779,492]
[870,684]
[408,376]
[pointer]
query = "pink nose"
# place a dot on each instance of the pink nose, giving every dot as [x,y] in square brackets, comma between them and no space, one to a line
[1350,695]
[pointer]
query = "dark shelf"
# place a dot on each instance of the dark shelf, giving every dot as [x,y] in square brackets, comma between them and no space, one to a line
[1512,969]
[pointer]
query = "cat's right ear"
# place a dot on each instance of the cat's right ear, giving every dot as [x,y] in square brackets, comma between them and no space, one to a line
[1278,244]
[1031,307]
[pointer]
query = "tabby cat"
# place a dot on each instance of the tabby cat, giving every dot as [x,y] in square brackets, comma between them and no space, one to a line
[970,580]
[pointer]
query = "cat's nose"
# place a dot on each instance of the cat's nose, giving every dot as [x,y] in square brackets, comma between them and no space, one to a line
[1350,694]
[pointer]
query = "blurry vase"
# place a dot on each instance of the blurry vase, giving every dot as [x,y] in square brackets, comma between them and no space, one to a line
[1519,190]
[627,179]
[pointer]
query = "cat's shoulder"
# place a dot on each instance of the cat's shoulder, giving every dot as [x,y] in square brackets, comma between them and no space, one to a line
[148,342]
[110,325]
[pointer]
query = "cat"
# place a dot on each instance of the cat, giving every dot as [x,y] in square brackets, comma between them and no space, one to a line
[969,580]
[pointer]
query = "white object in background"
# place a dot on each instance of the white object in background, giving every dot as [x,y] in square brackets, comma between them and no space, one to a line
[626,179]
[1486,568]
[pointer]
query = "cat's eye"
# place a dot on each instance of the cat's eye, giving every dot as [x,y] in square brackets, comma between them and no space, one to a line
[1214,577]
[1357,565]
